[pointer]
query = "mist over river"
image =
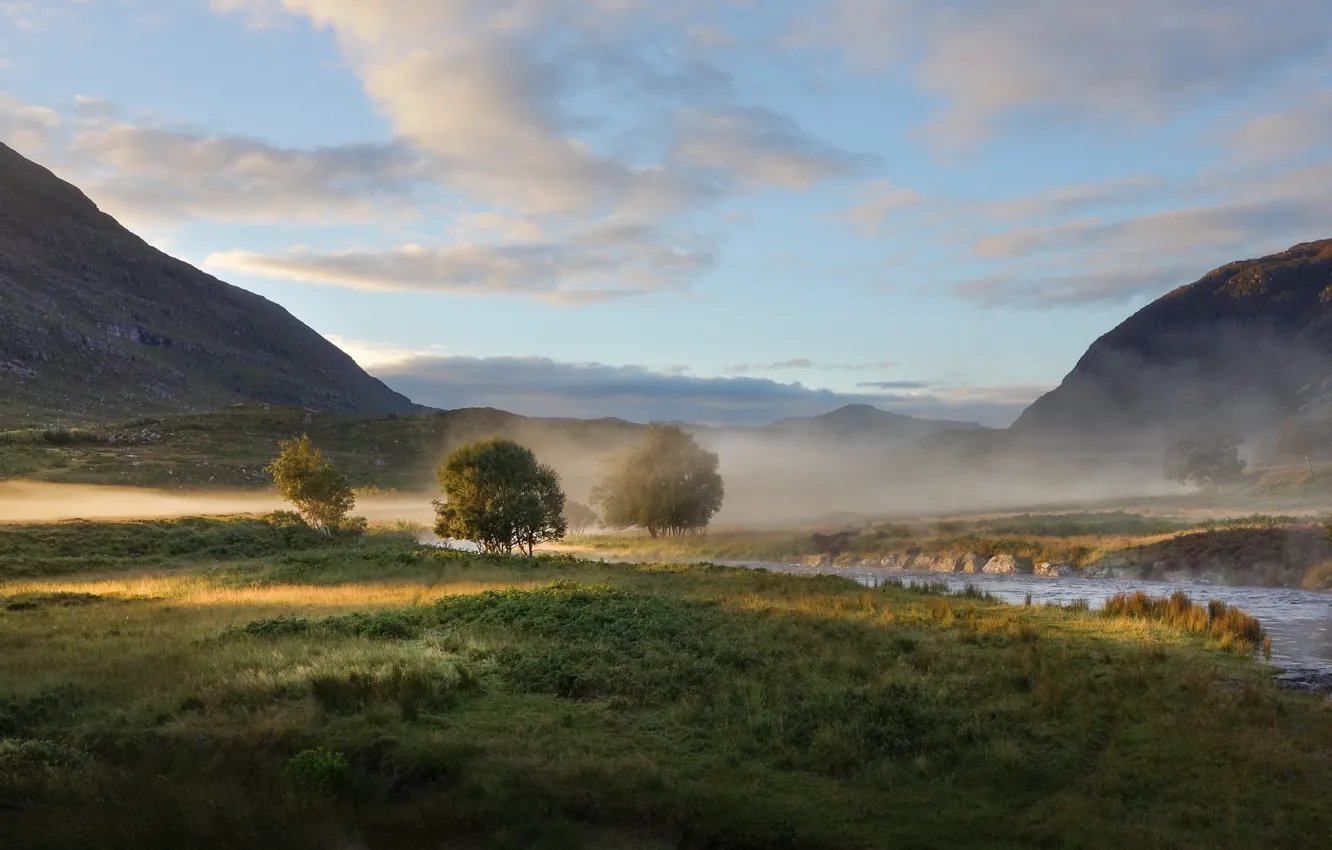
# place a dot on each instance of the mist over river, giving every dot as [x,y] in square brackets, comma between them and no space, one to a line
[1299,621]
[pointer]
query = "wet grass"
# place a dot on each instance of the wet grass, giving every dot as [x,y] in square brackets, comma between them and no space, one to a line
[380,694]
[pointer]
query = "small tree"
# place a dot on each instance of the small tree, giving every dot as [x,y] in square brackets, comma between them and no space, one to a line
[318,491]
[497,496]
[579,517]
[666,484]
[1205,461]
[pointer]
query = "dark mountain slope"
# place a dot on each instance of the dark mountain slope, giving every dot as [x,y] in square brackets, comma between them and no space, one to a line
[96,323]
[1237,350]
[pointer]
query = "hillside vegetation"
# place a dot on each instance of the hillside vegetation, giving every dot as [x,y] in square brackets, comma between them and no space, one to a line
[222,683]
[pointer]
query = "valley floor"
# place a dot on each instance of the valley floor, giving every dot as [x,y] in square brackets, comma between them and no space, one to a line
[227,683]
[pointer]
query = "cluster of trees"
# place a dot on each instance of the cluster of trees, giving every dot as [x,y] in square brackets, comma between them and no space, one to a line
[1206,461]
[500,497]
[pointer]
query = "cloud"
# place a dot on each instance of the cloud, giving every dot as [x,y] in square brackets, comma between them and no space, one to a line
[596,264]
[881,201]
[1144,60]
[157,174]
[1110,284]
[1108,260]
[805,364]
[538,386]
[30,130]
[760,148]
[1078,198]
[484,87]
[1303,127]
[895,385]
[376,355]
[563,200]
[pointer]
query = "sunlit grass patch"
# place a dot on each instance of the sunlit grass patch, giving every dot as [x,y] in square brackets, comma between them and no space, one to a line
[1231,627]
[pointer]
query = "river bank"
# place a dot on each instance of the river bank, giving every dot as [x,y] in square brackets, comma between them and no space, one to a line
[1275,552]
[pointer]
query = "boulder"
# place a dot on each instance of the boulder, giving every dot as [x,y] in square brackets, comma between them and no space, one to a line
[1008,565]
[817,560]
[941,564]
[911,559]
[891,562]
[973,563]
[1053,570]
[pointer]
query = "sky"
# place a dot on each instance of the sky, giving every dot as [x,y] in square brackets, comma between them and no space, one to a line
[724,212]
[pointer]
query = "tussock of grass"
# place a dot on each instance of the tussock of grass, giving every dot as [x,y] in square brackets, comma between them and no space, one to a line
[1231,627]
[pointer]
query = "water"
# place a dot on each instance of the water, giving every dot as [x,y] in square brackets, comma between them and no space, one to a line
[1299,621]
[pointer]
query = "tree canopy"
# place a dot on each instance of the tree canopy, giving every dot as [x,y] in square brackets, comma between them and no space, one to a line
[1205,461]
[579,517]
[666,484]
[318,491]
[499,497]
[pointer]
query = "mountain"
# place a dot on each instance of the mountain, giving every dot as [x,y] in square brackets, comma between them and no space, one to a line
[1236,351]
[95,323]
[855,421]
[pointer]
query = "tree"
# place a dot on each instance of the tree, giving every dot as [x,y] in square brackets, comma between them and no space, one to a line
[1205,461]
[497,496]
[318,491]
[579,517]
[666,484]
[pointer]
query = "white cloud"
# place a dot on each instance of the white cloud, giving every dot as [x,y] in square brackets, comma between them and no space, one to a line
[760,148]
[806,365]
[483,87]
[592,265]
[1146,255]
[1141,60]
[152,174]
[1304,126]
[379,355]
[30,130]
[881,201]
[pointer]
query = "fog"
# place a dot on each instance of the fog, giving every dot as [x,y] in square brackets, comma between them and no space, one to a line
[776,482]
[24,501]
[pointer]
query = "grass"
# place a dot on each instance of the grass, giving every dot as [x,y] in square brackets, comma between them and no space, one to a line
[1229,626]
[205,683]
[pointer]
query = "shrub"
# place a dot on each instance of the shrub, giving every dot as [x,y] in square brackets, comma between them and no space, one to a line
[319,492]
[318,772]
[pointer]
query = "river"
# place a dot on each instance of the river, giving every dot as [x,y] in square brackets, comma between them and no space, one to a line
[1299,621]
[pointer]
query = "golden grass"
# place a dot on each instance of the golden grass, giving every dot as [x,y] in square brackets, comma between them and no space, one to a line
[198,591]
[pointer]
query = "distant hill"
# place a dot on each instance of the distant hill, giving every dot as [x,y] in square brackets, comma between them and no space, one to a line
[1238,350]
[97,324]
[856,421]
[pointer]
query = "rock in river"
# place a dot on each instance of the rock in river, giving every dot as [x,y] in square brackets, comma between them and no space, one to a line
[1056,570]
[1008,564]
[973,563]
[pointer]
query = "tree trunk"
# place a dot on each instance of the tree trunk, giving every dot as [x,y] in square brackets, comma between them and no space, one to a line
[652,532]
